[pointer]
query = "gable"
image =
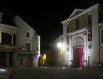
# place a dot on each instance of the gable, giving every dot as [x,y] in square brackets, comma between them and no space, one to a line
[75,13]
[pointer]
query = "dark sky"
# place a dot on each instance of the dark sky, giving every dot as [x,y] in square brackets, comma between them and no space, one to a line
[45,15]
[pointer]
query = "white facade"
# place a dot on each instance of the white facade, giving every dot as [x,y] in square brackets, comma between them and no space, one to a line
[7,48]
[27,46]
[77,29]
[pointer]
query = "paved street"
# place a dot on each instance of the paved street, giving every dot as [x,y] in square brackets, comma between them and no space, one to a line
[56,73]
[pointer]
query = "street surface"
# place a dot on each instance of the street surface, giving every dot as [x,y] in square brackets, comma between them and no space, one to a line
[56,73]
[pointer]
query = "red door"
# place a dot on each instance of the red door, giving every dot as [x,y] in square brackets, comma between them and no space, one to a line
[81,57]
[78,59]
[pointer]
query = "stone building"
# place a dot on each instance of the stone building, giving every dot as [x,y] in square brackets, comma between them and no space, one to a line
[19,42]
[82,39]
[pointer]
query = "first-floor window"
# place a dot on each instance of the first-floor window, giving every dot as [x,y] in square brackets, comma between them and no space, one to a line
[90,34]
[67,39]
[14,39]
[6,38]
[68,29]
[102,36]
[28,47]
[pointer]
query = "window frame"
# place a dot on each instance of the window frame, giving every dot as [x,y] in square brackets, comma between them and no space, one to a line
[27,34]
[101,36]
[90,19]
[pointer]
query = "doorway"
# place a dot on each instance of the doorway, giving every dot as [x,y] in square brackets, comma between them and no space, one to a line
[2,59]
[78,57]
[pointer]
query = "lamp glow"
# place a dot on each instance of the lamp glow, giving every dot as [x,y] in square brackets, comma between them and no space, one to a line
[59,45]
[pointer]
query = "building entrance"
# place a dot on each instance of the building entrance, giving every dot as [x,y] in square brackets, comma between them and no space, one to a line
[78,57]
[78,53]
[6,59]
[2,59]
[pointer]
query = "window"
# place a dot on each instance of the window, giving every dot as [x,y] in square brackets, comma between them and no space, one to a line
[102,36]
[27,35]
[14,39]
[90,34]
[90,19]
[77,24]
[6,38]
[67,48]
[67,40]
[68,28]
[28,47]
[9,39]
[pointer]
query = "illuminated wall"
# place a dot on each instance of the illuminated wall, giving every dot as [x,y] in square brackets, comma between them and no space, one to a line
[26,34]
[85,26]
[27,42]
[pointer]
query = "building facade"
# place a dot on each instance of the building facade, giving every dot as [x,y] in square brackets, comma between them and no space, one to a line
[82,39]
[19,43]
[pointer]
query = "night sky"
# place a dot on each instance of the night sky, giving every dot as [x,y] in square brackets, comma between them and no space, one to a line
[45,15]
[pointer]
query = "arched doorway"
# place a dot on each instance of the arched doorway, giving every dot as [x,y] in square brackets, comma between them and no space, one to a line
[78,54]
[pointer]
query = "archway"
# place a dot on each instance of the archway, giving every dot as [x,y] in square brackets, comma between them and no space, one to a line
[78,54]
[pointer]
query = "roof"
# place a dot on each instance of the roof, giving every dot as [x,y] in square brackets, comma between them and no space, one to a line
[80,13]
[75,13]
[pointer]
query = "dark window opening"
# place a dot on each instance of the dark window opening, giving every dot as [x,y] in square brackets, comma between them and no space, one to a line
[102,36]
[90,34]
[2,59]
[67,39]
[90,20]
[27,35]
[77,24]
[14,39]
[4,38]
[28,47]
[68,29]
[8,39]
[10,59]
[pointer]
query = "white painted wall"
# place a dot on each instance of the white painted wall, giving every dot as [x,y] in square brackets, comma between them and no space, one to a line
[90,55]
[95,36]
[23,28]
[34,39]
[7,29]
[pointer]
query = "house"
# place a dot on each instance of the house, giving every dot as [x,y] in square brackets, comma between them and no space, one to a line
[19,42]
[82,39]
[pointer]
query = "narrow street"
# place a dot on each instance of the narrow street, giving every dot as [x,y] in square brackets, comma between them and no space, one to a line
[56,73]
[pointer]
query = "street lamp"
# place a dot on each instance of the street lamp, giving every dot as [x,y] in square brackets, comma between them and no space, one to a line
[59,45]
